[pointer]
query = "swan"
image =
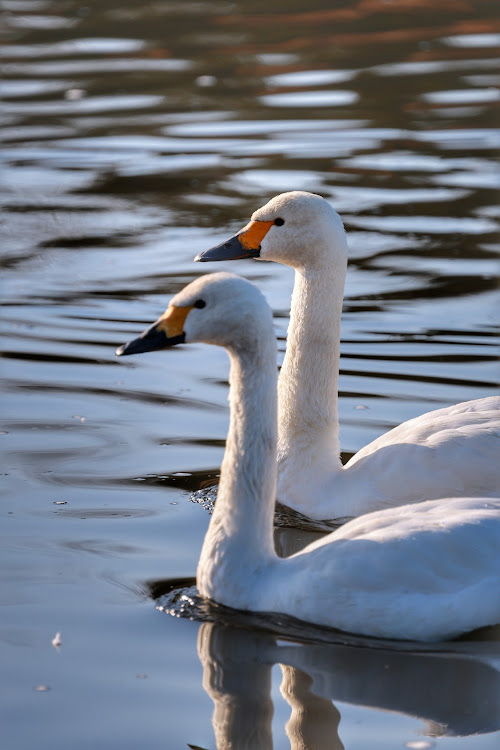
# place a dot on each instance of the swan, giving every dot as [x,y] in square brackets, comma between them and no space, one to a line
[421,572]
[451,451]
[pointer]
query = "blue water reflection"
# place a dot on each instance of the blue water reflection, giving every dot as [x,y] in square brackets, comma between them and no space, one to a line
[136,135]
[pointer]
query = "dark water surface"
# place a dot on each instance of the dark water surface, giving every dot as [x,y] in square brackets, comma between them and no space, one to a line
[134,136]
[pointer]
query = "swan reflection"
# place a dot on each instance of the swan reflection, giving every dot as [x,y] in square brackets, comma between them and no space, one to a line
[453,693]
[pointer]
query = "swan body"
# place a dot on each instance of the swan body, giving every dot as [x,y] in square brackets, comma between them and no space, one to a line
[426,572]
[448,452]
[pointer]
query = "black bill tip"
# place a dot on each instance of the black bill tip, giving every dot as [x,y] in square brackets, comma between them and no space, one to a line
[232,249]
[153,339]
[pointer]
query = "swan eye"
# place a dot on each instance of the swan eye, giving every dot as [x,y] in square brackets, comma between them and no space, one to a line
[279,222]
[200,303]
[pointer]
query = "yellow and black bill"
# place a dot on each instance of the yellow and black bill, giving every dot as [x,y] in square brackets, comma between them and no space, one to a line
[167,331]
[245,244]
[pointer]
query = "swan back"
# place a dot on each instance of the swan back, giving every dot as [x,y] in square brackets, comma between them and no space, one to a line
[427,571]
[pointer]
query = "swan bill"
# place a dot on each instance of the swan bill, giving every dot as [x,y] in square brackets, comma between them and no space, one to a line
[245,244]
[166,332]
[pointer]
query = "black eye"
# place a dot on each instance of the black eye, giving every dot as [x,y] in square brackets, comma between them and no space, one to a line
[279,222]
[200,303]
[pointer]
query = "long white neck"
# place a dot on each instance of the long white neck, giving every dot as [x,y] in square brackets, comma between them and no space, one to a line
[240,536]
[308,383]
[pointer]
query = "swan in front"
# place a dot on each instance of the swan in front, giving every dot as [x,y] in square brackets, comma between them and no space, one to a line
[448,452]
[421,572]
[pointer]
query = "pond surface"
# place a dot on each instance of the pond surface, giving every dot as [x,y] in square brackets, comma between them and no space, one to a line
[135,136]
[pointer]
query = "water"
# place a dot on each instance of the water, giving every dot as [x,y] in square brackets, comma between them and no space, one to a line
[136,135]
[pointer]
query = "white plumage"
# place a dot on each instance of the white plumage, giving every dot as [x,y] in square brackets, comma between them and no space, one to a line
[448,452]
[428,571]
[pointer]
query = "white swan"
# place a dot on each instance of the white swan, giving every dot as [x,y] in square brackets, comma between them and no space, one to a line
[452,451]
[423,572]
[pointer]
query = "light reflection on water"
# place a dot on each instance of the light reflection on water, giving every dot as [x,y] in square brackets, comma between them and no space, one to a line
[318,679]
[134,137]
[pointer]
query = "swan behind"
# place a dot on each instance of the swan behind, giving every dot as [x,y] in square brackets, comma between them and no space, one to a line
[448,452]
[424,572]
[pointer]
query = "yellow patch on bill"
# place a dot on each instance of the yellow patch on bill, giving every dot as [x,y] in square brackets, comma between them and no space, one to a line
[252,235]
[173,319]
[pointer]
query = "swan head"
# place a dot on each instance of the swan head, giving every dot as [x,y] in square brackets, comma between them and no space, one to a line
[298,229]
[220,308]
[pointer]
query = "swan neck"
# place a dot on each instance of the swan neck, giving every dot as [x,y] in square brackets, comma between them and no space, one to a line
[240,535]
[308,383]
